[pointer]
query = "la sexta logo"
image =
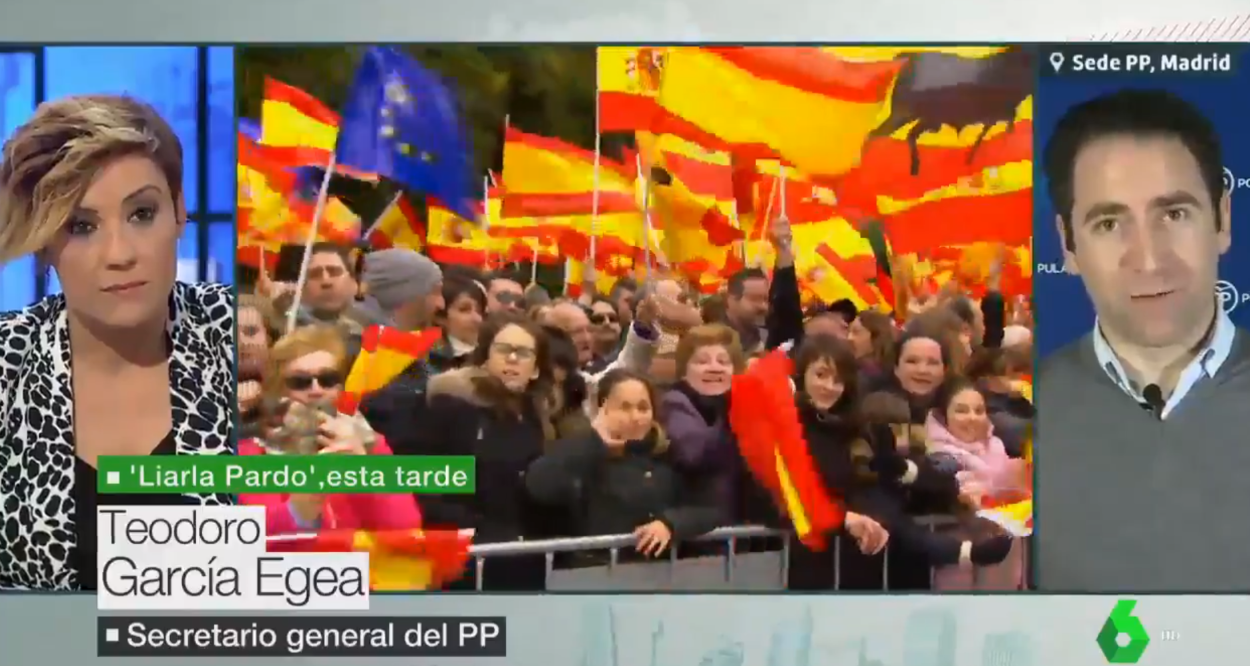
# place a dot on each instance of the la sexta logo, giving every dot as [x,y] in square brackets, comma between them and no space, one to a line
[1229,296]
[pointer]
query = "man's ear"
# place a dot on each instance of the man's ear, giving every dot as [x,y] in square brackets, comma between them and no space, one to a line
[1069,257]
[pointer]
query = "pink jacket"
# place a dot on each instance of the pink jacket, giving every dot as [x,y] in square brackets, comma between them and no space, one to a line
[989,463]
[367,511]
[986,460]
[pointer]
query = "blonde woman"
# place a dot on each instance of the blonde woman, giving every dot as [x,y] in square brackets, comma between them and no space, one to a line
[126,361]
[308,367]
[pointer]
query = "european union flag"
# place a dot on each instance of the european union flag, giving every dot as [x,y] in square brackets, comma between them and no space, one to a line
[402,122]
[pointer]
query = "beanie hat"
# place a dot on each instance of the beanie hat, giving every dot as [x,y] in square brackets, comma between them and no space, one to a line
[397,276]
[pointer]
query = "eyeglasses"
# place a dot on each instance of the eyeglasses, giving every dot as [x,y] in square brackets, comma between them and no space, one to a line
[601,318]
[521,352]
[326,380]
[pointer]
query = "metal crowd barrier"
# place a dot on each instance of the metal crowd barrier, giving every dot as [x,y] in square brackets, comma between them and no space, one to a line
[728,571]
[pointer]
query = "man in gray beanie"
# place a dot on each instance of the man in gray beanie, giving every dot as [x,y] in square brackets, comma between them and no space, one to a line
[403,288]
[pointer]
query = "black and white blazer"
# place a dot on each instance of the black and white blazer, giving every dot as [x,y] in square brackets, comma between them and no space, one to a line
[37,453]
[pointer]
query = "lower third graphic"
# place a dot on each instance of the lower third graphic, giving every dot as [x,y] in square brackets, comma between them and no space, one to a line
[1123,638]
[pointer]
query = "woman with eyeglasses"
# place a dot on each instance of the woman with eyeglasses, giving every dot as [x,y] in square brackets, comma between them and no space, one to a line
[303,380]
[497,409]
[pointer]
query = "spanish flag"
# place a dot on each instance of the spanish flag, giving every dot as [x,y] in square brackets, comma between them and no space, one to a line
[290,117]
[812,108]
[995,204]
[302,128]
[765,419]
[545,177]
[384,353]
[398,226]
[403,560]
[628,81]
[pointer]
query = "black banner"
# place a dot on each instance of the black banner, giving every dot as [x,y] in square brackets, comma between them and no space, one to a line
[312,636]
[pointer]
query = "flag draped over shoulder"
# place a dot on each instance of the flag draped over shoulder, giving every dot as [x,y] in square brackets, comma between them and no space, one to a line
[763,416]
[402,122]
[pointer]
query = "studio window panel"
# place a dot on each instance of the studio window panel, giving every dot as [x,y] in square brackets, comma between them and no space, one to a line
[163,76]
[17,102]
[221,138]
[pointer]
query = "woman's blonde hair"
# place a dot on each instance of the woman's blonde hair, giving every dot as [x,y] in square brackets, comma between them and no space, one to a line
[48,163]
[297,344]
[709,335]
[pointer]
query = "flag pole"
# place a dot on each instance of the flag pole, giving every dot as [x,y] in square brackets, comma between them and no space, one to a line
[768,213]
[534,263]
[646,213]
[594,192]
[323,195]
[486,221]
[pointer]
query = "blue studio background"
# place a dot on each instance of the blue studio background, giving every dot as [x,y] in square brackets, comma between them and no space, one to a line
[1063,310]
[192,87]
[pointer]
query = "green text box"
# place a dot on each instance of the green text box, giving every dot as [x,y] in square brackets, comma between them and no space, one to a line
[322,474]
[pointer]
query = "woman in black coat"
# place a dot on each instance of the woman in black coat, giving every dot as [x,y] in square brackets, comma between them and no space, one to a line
[619,478]
[494,409]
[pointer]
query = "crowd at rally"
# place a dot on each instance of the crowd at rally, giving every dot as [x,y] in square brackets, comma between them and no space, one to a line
[608,413]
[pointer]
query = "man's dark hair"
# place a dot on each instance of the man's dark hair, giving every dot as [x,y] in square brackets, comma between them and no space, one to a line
[621,286]
[737,281]
[502,275]
[344,253]
[1134,113]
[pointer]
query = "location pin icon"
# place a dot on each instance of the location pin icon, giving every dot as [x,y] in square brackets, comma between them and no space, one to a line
[1056,60]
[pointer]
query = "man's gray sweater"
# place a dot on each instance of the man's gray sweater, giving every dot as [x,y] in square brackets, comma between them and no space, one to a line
[1126,502]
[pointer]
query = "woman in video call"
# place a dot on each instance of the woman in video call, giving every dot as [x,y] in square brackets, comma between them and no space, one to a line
[126,361]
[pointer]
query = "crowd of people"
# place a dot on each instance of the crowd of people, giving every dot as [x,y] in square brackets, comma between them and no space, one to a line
[608,413]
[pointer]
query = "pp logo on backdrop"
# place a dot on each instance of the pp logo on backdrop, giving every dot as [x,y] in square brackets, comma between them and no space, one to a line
[1232,182]
[1228,296]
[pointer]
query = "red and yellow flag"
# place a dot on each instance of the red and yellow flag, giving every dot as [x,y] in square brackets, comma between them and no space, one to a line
[403,560]
[398,226]
[291,118]
[807,106]
[765,419]
[384,353]
[545,177]
[628,82]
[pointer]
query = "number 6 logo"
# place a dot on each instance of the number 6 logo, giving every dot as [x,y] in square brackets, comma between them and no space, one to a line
[1123,639]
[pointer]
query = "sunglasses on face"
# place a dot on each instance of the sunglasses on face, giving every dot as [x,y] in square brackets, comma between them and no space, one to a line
[506,350]
[601,318]
[326,380]
[508,298]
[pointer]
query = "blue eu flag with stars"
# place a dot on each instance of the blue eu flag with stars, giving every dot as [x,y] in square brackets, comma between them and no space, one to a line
[403,123]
